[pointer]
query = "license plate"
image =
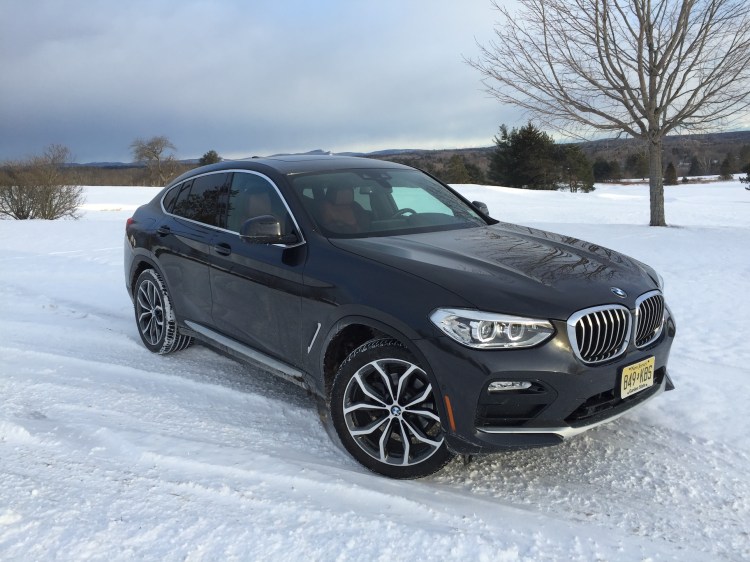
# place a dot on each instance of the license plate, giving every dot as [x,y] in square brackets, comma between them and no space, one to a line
[636,377]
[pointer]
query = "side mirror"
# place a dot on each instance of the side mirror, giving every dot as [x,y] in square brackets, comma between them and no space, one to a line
[481,207]
[265,229]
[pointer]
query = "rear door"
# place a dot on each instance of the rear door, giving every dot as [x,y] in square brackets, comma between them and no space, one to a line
[184,248]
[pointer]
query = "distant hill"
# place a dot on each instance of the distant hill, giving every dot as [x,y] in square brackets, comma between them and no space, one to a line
[709,149]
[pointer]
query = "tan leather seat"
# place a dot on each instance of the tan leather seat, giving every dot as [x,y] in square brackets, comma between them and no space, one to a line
[339,211]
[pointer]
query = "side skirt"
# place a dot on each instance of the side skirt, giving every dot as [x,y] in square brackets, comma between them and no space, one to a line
[247,354]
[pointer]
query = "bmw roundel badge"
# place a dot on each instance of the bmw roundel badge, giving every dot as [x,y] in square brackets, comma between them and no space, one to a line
[619,292]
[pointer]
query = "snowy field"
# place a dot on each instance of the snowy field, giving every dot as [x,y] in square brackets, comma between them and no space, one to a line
[108,452]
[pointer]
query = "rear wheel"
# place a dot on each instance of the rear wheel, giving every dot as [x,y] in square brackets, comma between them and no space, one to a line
[384,410]
[154,315]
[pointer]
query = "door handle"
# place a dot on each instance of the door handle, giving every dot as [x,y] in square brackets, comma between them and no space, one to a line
[223,249]
[164,230]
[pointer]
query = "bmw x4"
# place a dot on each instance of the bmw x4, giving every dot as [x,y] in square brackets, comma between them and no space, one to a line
[425,327]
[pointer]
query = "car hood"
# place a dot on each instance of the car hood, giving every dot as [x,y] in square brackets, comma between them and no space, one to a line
[512,269]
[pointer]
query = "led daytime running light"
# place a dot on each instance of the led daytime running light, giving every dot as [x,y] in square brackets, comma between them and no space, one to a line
[487,330]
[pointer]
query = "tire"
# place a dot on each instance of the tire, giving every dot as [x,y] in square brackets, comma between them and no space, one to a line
[154,315]
[384,410]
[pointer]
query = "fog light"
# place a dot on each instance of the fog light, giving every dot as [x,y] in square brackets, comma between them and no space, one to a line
[502,386]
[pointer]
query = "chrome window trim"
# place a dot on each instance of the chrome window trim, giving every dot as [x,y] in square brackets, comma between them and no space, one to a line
[213,227]
[576,316]
[636,316]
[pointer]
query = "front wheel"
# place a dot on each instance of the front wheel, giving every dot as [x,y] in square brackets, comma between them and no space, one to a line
[384,409]
[155,316]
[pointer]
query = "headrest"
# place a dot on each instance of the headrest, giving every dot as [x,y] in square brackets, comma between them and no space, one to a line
[340,195]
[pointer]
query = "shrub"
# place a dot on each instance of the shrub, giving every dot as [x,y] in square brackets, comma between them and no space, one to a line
[35,188]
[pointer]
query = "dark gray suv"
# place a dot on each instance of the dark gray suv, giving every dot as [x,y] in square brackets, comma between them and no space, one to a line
[426,327]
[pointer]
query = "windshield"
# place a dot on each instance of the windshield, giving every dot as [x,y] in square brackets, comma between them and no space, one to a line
[356,203]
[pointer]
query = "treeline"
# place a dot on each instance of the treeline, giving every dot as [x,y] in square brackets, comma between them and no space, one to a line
[154,164]
[47,186]
[134,174]
[524,158]
[611,160]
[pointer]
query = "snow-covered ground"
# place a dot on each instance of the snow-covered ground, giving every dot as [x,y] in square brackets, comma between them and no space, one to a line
[108,452]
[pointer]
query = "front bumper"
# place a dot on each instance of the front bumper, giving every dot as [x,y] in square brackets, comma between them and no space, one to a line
[565,399]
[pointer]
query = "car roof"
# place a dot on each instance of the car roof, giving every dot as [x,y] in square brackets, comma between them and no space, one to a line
[292,164]
[297,164]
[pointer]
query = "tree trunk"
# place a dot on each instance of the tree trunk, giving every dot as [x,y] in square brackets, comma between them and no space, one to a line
[656,181]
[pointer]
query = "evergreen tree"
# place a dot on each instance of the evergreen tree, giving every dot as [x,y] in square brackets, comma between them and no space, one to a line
[577,172]
[746,179]
[210,157]
[696,168]
[476,175]
[670,176]
[500,158]
[606,170]
[744,157]
[636,165]
[725,170]
[456,171]
[524,158]
[616,171]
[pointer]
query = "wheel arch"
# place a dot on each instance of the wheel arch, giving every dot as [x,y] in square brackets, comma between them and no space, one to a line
[348,333]
[139,264]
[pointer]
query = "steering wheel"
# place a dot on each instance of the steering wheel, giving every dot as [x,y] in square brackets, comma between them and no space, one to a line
[404,211]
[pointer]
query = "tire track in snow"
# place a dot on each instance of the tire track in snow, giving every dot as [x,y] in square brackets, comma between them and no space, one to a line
[627,476]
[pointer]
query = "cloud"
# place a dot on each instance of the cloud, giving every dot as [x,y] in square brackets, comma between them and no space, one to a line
[243,78]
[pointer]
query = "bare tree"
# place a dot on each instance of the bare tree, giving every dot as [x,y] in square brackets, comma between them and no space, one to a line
[637,67]
[37,188]
[160,165]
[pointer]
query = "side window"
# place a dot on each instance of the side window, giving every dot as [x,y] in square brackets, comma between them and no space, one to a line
[252,196]
[200,200]
[170,196]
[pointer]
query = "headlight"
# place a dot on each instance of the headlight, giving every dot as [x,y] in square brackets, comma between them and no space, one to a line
[487,330]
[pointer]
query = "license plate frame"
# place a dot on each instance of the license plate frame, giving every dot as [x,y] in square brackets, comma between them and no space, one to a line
[637,377]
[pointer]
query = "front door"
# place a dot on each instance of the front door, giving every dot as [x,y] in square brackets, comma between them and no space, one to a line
[256,288]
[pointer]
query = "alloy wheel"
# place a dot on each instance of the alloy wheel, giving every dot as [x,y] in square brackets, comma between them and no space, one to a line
[150,312]
[390,412]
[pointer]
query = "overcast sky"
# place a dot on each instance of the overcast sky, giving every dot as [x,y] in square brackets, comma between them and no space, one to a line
[243,77]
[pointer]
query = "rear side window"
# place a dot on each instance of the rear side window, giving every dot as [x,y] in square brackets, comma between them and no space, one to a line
[200,200]
[171,196]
